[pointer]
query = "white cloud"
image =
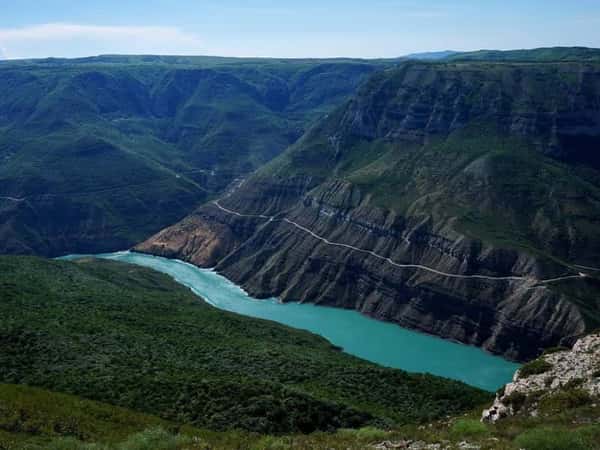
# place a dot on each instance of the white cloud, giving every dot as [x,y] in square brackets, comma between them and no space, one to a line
[69,40]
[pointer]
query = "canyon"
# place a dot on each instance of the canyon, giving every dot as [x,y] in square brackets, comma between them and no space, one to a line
[465,168]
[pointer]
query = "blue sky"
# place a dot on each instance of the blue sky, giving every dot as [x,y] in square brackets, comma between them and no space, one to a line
[285,28]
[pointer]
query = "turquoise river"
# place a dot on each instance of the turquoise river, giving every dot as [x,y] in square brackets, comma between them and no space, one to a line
[383,343]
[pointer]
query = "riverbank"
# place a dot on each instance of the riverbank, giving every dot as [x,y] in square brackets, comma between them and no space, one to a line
[383,343]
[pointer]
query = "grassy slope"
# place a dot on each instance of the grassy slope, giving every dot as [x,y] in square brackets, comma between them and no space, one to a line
[27,411]
[132,337]
[33,419]
[109,150]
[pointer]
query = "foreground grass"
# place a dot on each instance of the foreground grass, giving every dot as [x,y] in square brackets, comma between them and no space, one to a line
[39,419]
[36,419]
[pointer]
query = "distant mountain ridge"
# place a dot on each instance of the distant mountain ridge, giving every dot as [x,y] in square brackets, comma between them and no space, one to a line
[432,56]
[549,54]
[545,54]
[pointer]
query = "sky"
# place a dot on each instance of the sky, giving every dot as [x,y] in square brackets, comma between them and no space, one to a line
[290,28]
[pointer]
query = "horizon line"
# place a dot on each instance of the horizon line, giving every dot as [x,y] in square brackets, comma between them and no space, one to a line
[292,58]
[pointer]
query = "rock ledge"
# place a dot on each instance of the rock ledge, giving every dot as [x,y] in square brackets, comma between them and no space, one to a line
[553,373]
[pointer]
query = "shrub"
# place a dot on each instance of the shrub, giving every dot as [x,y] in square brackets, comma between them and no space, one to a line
[73,444]
[534,368]
[464,428]
[552,350]
[155,439]
[563,400]
[590,435]
[368,433]
[271,443]
[516,400]
[574,382]
[151,439]
[546,438]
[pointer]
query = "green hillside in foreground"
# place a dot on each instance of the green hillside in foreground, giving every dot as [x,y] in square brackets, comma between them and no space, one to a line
[133,337]
[36,419]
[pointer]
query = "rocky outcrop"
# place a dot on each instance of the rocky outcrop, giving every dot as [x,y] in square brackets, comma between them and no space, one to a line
[422,445]
[571,374]
[198,239]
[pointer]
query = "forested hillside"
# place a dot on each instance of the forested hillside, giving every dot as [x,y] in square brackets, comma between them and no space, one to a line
[135,338]
[99,153]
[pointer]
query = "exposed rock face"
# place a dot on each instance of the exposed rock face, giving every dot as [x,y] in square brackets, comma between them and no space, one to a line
[369,177]
[278,259]
[423,100]
[200,242]
[578,368]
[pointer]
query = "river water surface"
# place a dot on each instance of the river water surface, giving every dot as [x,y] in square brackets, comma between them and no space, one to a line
[380,342]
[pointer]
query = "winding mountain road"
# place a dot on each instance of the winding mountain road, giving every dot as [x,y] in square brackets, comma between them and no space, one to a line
[13,199]
[533,282]
[593,269]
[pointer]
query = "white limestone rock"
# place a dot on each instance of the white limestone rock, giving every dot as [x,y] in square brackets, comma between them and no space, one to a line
[579,366]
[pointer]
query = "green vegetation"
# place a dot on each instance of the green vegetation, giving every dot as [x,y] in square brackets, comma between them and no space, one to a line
[565,399]
[31,411]
[492,185]
[152,439]
[468,428]
[552,350]
[534,368]
[518,399]
[96,146]
[36,419]
[550,438]
[128,336]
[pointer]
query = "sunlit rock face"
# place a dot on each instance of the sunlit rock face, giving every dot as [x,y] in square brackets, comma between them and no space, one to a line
[575,371]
